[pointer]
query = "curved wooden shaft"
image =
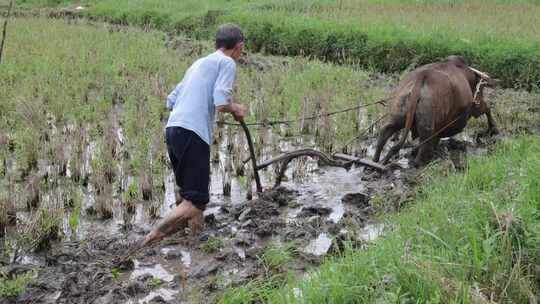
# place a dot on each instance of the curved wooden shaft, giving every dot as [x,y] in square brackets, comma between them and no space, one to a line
[253,158]
[327,160]
[286,158]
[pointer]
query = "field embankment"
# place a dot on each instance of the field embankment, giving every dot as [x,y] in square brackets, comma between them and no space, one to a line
[472,237]
[500,37]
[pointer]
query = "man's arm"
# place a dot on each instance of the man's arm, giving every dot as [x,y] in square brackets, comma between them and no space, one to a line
[223,90]
[171,99]
[237,110]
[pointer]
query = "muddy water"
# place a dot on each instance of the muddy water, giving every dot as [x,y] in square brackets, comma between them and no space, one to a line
[327,206]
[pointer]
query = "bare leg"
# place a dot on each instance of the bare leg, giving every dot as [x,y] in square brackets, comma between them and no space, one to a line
[492,128]
[177,196]
[385,134]
[181,216]
[395,148]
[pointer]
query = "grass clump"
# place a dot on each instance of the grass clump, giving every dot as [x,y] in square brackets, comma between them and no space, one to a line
[468,238]
[212,245]
[11,287]
[276,256]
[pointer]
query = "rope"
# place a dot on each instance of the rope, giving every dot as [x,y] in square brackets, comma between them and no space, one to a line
[476,102]
[440,131]
[477,91]
[278,122]
[364,131]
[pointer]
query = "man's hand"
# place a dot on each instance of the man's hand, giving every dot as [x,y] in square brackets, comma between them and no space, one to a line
[237,110]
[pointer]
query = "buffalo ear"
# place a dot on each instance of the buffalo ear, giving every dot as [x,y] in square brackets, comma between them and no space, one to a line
[492,82]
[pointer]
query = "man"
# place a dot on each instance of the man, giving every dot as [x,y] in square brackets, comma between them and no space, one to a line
[207,86]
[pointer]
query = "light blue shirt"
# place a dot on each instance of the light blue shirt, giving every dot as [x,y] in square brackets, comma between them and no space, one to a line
[208,83]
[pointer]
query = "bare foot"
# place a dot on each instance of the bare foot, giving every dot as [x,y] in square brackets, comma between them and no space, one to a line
[178,218]
[196,223]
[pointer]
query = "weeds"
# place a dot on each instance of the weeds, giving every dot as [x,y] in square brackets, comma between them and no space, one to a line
[130,196]
[75,212]
[155,283]
[11,287]
[277,255]
[44,228]
[471,237]
[115,273]
[212,245]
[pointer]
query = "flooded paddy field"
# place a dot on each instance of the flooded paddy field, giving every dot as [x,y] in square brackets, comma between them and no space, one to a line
[287,230]
[84,171]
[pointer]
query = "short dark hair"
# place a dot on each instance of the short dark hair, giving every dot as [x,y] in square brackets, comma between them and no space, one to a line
[228,35]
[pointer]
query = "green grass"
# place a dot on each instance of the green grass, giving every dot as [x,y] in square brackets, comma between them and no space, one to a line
[212,245]
[501,37]
[277,255]
[12,287]
[467,238]
[78,74]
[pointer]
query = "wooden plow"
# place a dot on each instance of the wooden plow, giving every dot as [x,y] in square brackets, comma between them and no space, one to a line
[336,160]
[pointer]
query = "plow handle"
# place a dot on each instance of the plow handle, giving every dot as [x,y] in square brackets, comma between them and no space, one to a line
[253,158]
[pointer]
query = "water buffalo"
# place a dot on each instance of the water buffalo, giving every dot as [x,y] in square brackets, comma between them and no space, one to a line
[435,101]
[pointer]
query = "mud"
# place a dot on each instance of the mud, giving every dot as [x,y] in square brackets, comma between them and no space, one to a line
[317,209]
[327,207]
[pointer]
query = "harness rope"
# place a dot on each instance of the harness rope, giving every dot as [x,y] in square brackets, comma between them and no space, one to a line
[278,122]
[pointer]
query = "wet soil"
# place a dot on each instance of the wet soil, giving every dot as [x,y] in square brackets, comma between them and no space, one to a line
[317,209]
[330,206]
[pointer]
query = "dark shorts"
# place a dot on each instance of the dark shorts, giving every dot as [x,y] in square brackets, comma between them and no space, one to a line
[190,160]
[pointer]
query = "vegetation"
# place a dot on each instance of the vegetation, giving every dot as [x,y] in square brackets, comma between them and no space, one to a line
[11,287]
[86,97]
[277,255]
[78,86]
[212,245]
[388,36]
[469,238]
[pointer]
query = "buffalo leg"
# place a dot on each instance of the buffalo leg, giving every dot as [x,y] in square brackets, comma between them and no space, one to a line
[492,128]
[385,134]
[395,148]
[425,152]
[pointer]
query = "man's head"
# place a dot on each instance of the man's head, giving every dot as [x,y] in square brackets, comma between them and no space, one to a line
[230,40]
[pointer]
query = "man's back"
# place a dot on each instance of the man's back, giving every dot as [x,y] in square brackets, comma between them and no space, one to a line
[207,83]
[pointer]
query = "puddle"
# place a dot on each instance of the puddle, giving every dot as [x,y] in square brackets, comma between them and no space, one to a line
[371,232]
[153,296]
[29,260]
[156,271]
[326,188]
[319,246]
[186,259]
[337,213]
[166,294]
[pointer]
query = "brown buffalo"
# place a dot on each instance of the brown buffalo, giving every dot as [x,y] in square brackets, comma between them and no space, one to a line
[435,101]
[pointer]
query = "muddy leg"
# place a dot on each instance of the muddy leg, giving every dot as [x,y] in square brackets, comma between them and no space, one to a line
[177,196]
[425,153]
[385,134]
[178,218]
[395,148]
[492,128]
